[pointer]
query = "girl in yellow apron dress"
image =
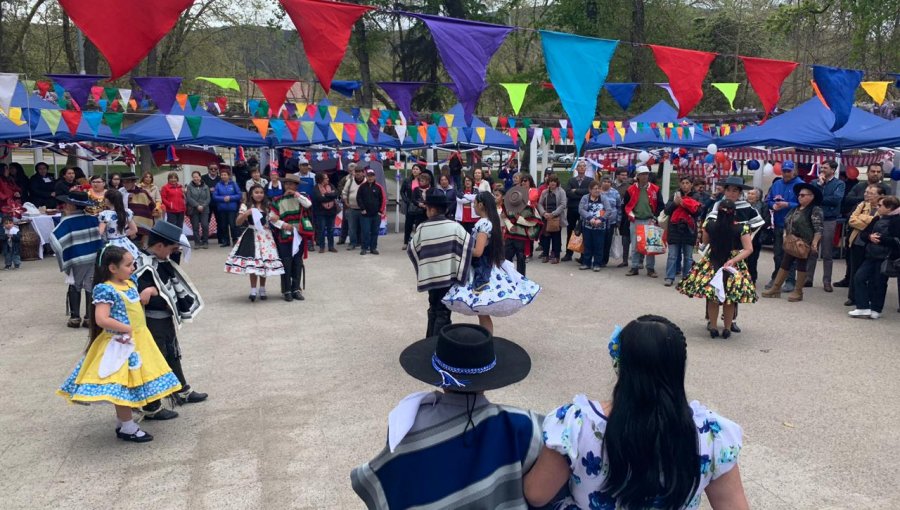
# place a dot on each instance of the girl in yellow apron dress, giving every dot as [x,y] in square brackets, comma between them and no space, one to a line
[122,364]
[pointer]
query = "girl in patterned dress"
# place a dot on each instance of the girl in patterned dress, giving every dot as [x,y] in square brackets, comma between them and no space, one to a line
[255,253]
[649,447]
[117,223]
[722,276]
[122,364]
[494,287]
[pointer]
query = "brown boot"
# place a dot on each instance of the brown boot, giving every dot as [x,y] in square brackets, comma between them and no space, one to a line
[775,291]
[797,294]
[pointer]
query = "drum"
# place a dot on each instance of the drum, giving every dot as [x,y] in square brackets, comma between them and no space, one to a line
[30,241]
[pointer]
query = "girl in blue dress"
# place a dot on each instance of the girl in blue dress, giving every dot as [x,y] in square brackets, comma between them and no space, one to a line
[494,287]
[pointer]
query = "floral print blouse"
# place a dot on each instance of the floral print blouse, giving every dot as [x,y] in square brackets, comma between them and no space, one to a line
[576,432]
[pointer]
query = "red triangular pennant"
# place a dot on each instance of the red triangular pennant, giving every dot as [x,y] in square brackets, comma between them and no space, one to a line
[442,131]
[275,92]
[72,118]
[350,132]
[124,44]
[766,77]
[294,127]
[324,28]
[686,70]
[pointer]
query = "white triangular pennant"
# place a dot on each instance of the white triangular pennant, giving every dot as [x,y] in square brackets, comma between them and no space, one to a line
[692,129]
[8,82]
[564,123]
[126,97]
[633,126]
[175,124]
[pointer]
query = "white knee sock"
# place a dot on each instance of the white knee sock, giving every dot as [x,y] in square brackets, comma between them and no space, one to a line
[262,291]
[252,291]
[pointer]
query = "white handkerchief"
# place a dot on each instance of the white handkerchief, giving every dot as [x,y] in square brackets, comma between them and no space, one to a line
[402,417]
[296,245]
[718,282]
[510,269]
[257,219]
[115,355]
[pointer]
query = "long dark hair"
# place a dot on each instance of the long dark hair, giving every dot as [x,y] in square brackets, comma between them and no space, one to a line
[721,233]
[109,255]
[265,201]
[651,438]
[486,199]
[118,204]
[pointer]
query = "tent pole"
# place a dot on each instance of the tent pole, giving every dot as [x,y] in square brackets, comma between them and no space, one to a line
[397,207]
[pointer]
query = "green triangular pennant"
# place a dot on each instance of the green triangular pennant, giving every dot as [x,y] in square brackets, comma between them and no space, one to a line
[52,118]
[526,122]
[308,129]
[323,112]
[363,129]
[63,103]
[193,122]
[114,121]
[523,134]
[263,109]
[194,100]
[413,133]
[729,90]
[111,93]
[435,118]
[493,122]
[548,134]
[364,114]
[454,134]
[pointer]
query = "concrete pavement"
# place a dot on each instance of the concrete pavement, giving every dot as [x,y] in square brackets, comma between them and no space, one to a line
[300,392]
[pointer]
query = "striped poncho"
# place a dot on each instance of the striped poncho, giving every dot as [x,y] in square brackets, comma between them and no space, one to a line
[76,240]
[441,252]
[456,464]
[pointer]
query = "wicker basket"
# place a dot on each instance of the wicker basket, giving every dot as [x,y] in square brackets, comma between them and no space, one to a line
[30,243]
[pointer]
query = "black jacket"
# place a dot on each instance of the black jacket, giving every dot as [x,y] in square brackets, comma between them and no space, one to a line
[576,190]
[370,197]
[42,189]
[62,187]
[889,229]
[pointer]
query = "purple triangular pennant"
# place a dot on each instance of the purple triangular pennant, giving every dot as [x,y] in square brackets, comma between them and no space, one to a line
[466,48]
[162,89]
[402,93]
[77,85]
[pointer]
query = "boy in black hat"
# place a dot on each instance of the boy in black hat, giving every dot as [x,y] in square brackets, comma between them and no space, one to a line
[439,265]
[454,448]
[176,301]
[75,242]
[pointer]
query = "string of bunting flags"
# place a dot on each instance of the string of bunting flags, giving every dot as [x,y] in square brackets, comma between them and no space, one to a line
[577,65]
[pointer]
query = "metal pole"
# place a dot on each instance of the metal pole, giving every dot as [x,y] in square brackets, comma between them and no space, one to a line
[80,51]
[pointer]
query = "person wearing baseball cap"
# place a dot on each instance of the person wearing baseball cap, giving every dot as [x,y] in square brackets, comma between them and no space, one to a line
[782,200]
[643,203]
[372,201]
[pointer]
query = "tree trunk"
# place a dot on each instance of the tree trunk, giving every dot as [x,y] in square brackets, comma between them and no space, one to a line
[361,48]
[145,158]
[91,57]
[151,61]
[68,46]
[637,35]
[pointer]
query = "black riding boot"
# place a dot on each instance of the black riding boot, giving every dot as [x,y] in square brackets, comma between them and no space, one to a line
[441,319]
[429,331]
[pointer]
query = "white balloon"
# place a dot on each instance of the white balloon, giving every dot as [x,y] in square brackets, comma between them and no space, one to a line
[887,165]
[644,157]
[712,149]
[768,169]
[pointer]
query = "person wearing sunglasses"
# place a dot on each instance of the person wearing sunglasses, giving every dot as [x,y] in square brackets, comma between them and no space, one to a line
[803,228]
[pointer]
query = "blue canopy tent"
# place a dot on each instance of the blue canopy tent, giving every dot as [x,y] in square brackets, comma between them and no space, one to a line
[649,138]
[807,125]
[324,134]
[9,131]
[213,131]
[882,135]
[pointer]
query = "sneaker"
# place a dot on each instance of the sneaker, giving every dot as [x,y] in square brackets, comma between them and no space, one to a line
[374,252]
[583,268]
[875,315]
[669,282]
[632,272]
[860,314]
[652,274]
[160,414]
[596,269]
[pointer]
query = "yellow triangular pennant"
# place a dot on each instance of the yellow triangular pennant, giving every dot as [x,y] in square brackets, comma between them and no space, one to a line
[301,109]
[332,111]
[482,132]
[876,89]
[15,115]
[448,117]
[338,128]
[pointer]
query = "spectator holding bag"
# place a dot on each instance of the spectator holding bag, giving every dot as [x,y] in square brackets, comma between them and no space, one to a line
[552,207]
[643,202]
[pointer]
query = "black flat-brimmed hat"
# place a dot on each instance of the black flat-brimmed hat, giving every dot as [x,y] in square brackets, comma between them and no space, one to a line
[734,180]
[817,193]
[169,232]
[466,358]
[128,176]
[76,198]
[515,200]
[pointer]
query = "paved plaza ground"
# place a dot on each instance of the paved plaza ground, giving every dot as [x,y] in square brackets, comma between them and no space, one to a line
[300,392]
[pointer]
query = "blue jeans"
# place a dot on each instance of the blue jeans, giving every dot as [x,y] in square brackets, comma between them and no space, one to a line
[593,247]
[637,258]
[368,237]
[352,218]
[870,286]
[679,258]
[325,223]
